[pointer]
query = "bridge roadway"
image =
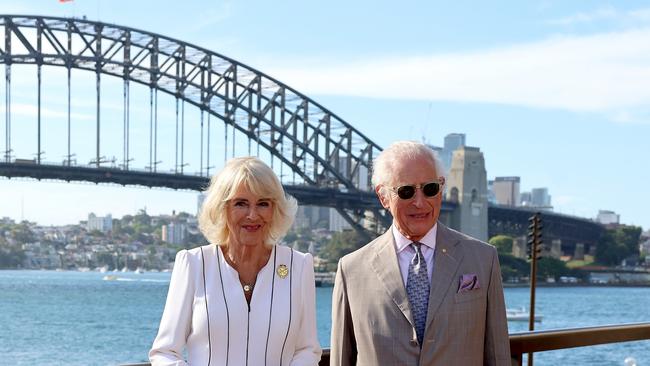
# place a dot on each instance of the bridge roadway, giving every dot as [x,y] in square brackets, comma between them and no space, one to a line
[306,195]
[569,230]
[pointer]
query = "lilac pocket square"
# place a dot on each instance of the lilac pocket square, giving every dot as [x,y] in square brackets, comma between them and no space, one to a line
[468,282]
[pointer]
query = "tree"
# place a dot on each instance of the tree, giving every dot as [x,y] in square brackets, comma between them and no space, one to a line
[552,267]
[503,243]
[22,233]
[513,267]
[341,244]
[629,237]
[290,237]
[617,244]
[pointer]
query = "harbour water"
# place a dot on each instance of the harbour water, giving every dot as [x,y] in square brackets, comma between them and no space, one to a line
[77,318]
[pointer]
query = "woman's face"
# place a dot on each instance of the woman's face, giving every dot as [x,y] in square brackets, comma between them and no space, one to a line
[249,217]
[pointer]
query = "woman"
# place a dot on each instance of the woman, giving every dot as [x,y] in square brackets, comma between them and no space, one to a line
[241,300]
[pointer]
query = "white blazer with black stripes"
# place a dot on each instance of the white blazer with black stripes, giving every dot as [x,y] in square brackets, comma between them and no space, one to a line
[206,312]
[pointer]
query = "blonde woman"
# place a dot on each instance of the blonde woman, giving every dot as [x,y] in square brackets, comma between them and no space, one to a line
[242,299]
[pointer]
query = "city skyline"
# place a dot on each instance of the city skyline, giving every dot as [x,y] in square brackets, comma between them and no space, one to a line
[551,92]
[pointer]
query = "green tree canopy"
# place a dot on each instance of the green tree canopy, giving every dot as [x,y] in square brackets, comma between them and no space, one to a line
[617,244]
[341,244]
[503,243]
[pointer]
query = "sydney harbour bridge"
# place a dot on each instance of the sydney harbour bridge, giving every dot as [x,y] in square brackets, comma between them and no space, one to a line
[184,110]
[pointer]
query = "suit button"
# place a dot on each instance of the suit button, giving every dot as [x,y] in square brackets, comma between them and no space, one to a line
[414,342]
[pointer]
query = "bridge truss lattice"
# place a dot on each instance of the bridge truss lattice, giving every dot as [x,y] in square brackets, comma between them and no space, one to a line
[320,148]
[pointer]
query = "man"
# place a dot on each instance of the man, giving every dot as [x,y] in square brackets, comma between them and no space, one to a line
[421,293]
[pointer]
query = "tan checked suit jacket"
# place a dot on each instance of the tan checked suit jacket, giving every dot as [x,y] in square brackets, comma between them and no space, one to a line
[372,323]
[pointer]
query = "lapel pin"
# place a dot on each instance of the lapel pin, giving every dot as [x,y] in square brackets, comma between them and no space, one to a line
[444,250]
[282,271]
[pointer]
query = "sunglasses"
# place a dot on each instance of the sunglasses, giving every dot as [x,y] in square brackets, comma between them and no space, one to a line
[430,189]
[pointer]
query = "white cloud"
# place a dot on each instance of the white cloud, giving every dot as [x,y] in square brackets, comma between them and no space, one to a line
[606,13]
[600,72]
[631,117]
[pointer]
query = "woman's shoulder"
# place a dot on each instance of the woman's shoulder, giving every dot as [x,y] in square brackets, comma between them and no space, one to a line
[285,251]
[196,253]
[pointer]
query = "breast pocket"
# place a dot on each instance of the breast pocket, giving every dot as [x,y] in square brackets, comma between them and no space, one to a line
[467,296]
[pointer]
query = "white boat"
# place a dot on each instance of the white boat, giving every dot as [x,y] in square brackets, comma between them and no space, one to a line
[125,269]
[521,315]
[139,270]
[110,278]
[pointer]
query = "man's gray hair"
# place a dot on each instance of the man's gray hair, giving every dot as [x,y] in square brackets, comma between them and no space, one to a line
[384,164]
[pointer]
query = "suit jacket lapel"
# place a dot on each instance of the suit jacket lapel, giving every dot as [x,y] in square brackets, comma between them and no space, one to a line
[447,258]
[386,266]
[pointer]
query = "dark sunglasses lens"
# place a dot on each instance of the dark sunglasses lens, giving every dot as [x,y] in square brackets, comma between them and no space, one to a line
[431,189]
[406,192]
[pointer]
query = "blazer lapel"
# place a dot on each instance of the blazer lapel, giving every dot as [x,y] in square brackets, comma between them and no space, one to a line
[386,266]
[447,258]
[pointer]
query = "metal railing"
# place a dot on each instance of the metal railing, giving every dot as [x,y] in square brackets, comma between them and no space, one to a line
[548,340]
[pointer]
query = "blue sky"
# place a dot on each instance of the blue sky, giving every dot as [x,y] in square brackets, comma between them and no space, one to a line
[555,92]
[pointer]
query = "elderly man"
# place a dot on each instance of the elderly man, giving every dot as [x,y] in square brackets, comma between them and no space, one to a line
[421,293]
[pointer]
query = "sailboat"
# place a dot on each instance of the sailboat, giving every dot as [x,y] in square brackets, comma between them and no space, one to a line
[521,315]
[126,264]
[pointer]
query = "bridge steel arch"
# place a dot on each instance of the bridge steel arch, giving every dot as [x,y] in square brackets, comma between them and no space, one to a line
[320,147]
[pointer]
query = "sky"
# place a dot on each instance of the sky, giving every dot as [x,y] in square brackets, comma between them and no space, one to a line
[555,92]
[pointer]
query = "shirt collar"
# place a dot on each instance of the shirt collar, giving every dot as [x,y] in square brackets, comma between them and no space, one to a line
[401,242]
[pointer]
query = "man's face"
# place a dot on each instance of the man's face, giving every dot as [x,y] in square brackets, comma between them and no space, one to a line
[413,217]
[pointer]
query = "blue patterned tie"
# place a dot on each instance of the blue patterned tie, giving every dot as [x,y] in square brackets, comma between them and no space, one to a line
[417,290]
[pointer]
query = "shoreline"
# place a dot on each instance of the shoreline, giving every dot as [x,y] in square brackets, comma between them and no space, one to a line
[544,284]
[324,284]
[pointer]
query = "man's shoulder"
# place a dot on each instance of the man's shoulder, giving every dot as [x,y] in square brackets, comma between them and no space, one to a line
[469,241]
[362,254]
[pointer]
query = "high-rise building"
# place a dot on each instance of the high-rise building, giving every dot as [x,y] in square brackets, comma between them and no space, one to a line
[174,233]
[311,217]
[525,199]
[607,217]
[540,198]
[103,224]
[357,174]
[337,222]
[452,142]
[490,188]
[506,190]
[199,203]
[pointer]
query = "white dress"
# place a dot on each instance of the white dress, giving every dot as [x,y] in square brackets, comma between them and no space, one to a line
[206,312]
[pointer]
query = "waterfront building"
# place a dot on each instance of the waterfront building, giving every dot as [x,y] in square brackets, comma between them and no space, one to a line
[103,224]
[506,190]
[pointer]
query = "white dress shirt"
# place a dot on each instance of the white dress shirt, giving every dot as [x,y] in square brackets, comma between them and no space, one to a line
[405,251]
[206,312]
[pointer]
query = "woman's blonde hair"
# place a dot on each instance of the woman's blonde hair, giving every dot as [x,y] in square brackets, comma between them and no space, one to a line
[251,173]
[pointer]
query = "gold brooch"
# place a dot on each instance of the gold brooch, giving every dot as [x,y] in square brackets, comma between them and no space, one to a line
[282,271]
